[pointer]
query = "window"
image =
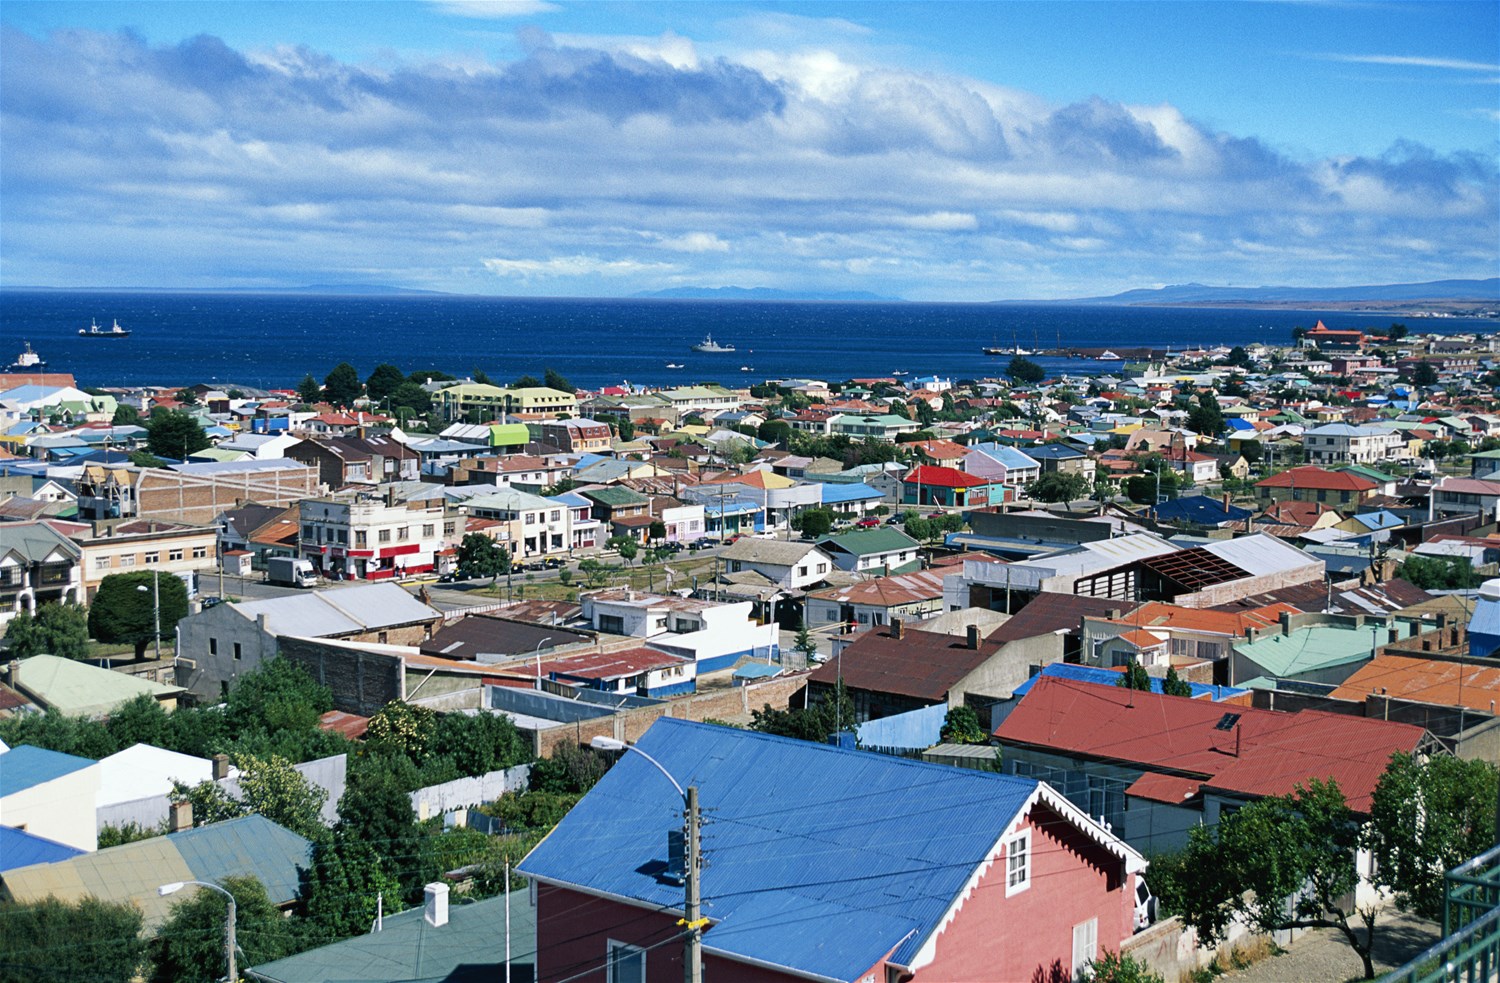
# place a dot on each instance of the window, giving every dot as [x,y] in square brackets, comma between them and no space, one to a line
[213,646]
[199,552]
[403,533]
[127,561]
[1085,945]
[554,515]
[359,538]
[385,536]
[153,558]
[627,963]
[427,530]
[103,562]
[1018,863]
[237,651]
[307,531]
[174,554]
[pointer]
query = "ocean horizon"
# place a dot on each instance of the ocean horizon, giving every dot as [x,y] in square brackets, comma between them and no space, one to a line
[273,340]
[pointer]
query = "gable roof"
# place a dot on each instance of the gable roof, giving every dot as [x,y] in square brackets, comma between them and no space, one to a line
[1435,681]
[79,689]
[773,552]
[1309,476]
[865,542]
[793,821]
[920,664]
[19,848]
[1266,752]
[341,611]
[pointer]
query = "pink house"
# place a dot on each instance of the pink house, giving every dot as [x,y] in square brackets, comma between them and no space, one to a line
[827,864]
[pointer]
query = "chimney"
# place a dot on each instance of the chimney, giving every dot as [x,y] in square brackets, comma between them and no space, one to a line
[1393,635]
[13,673]
[1226,503]
[263,622]
[974,637]
[390,497]
[1286,622]
[179,817]
[435,910]
[1115,614]
[898,628]
[221,766]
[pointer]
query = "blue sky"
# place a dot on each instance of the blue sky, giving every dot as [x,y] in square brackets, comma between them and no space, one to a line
[935,151]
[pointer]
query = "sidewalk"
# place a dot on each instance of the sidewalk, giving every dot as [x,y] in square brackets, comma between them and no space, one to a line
[1324,956]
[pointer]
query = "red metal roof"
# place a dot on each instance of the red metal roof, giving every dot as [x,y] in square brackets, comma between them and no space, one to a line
[1262,753]
[932,474]
[1309,476]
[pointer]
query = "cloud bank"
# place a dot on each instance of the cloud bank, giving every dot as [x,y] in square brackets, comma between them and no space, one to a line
[588,168]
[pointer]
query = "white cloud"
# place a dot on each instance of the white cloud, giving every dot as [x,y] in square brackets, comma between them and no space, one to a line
[1415,61]
[494,9]
[940,221]
[571,266]
[693,242]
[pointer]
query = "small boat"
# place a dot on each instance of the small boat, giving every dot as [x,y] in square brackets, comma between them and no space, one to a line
[900,372]
[27,361]
[1109,356]
[674,365]
[709,345]
[94,331]
[746,368]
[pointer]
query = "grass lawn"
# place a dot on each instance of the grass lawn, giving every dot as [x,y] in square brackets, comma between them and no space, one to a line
[638,577]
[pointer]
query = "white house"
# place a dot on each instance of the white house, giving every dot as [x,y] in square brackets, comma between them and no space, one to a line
[50,794]
[790,566]
[714,635]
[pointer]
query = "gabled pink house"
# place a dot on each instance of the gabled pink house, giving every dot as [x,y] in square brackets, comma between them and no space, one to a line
[826,864]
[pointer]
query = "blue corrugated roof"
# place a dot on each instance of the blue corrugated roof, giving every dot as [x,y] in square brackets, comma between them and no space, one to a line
[1109,677]
[26,766]
[848,493]
[1201,509]
[19,848]
[818,859]
[249,845]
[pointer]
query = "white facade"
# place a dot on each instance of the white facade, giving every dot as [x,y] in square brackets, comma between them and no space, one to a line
[684,523]
[61,809]
[1340,443]
[370,540]
[714,635]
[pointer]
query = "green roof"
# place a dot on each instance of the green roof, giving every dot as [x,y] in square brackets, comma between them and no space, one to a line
[80,690]
[408,948]
[1318,647]
[864,542]
[1487,455]
[1371,473]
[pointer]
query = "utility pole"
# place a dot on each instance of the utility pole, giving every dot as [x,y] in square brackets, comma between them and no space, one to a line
[156,616]
[229,942]
[692,970]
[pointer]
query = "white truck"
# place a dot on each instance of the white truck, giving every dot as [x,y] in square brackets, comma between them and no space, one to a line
[291,571]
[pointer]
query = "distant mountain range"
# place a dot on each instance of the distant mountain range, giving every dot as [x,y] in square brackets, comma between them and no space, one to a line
[757,293]
[1482,291]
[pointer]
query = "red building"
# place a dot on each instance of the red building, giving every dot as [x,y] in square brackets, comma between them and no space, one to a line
[828,864]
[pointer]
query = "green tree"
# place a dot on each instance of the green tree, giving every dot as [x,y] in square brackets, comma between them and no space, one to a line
[383,381]
[1134,677]
[55,629]
[1279,863]
[1115,967]
[1059,486]
[410,399]
[125,415]
[277,695]
[1175,685]
[595,574]
[481,743]
[376,809]
[52,941]
[1238,356]
[1427,817]
[481,556]
[627,547]
[961,726]
[210,802]
[341,386]
[1439,573]
[277,791]
[527,381]
[145,459]
[190,945]
[814,523]
[570,770]
[626,430]
[813,723]
[657,531]
[186,397]
[174,434]
[342,887]
[404,729]
[1425,374]
[308,390]
[139,721]
[774,432]
[1207,417]
[553,379]
[124,609]
[1024,370]
[1395,332]
[805,643]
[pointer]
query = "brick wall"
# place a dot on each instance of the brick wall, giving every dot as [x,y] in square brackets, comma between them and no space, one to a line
[362,682]
[629,725]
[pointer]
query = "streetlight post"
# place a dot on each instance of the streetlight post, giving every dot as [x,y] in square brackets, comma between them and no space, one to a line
[538,654]
[229,943]
[156,606]
[692,915]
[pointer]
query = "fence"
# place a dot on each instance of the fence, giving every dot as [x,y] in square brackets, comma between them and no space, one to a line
[1470,948]
[436,799]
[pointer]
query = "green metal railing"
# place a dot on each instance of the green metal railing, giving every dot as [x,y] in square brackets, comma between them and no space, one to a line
[1469,951]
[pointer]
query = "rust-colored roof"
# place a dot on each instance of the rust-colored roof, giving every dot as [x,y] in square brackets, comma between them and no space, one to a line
[1142,639]
[351,725]
[901,588]
[1316,478]
[1160,615]
[612,665]
[1171,789]
[1258,753]
[1436,681]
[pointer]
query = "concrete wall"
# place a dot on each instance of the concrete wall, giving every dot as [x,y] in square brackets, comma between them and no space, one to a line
[437,799]
[61,810]
[362,682]
[205,673]
[199,499]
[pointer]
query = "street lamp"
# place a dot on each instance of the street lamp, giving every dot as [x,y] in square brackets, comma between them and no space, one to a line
[229,944]
[692,943]
[155,606]
[538,654]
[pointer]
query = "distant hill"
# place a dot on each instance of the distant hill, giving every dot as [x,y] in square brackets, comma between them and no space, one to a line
[1483,291]
[757,293]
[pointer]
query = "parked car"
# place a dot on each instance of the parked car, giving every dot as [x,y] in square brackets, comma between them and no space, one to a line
[701,544]
[554,563]
[868,523]
[1145,905]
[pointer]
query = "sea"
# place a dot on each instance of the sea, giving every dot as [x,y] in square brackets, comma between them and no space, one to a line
[274,340]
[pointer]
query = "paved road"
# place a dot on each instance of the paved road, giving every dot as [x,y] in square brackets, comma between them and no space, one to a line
[1324,956]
